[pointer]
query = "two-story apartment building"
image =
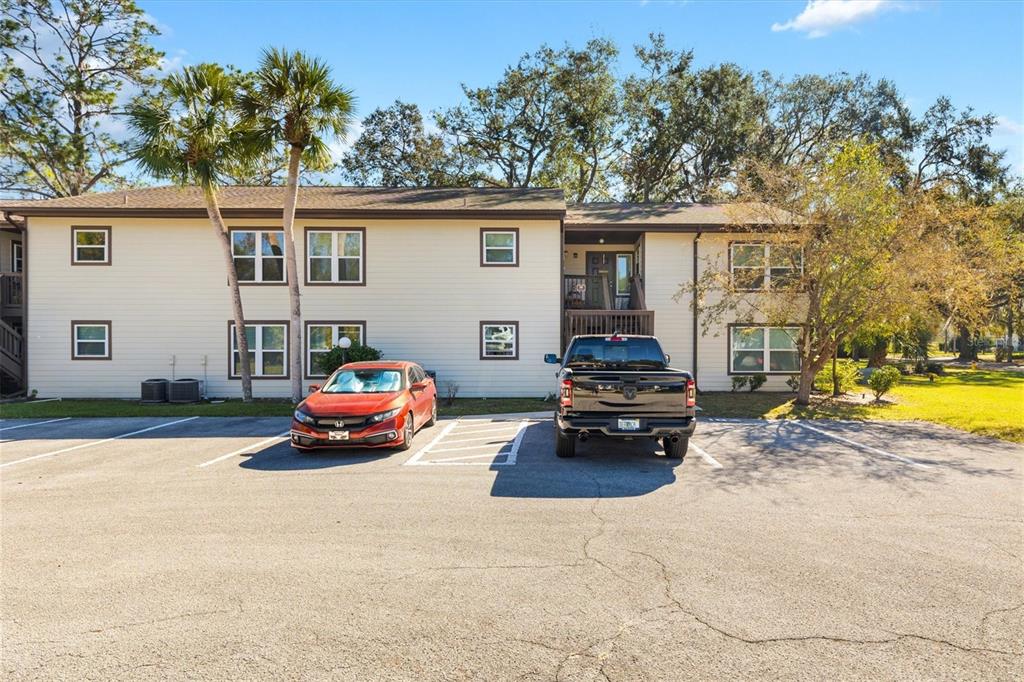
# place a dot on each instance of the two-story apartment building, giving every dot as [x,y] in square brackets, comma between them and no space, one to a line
[474,284]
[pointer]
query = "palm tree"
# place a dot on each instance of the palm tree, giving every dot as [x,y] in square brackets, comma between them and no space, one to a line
[188,132]
[293,102]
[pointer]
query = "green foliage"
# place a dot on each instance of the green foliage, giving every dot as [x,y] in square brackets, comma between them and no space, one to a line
[739,381]
[756,381]
[847,372]
[882,380]
[63,67]
[332,360]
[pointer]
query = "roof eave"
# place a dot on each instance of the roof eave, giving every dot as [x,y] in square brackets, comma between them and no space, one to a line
[327,213]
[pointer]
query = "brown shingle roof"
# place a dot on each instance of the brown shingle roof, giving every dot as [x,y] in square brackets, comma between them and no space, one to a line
[253,201]
[673,215]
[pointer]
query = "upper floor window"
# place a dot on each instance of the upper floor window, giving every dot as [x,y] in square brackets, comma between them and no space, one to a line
[334,256]
[755,350]
[757,266]
[268,350]
[90,246]
[17,257]
[90,340]
[499,247]
[258,255]
[499,340]
[321,337]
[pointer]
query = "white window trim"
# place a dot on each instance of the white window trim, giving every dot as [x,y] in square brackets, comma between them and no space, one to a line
[105,246]
[311,371]
[765,350]
[765,268]
[89,356]
[337,247]
[258,257]
[484,355]
[258,350]
[17,257]
[514,247]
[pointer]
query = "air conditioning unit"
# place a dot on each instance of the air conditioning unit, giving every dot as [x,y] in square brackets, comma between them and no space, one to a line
[185,391]
[154,390]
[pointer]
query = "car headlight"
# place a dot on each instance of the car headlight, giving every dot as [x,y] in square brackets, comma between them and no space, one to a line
[381,416]
[304,417]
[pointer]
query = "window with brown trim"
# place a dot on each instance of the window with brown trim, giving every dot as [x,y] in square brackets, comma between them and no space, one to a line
[322,337]
[17,257]
[268,350]
[90,340]
[760,266]
[499,340]
[767,350]
[90,245]
[499,247]
[335,256]
[258,255]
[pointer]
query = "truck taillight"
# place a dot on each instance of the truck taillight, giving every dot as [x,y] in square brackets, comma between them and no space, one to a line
[565,399]
[691,394]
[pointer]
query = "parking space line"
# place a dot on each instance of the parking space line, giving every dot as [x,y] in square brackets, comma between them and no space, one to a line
[705,455]
[496,430]
[470,440]
[81,446]
[470,447]
[463,457]
[21,426]
[415,459]
[509,448]
[862,446]
[247,448]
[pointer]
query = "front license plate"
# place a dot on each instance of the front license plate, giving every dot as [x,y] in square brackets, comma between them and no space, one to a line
[337,435]
[629,425]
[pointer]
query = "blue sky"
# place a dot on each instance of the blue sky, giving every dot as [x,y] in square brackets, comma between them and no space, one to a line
[420,52]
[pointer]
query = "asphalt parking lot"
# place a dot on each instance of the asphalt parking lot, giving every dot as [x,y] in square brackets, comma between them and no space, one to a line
[204,548]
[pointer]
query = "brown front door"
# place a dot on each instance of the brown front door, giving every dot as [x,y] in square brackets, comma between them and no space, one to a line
[616,267]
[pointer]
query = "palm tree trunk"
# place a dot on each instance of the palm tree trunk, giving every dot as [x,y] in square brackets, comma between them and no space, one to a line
[221,230]
[291,198]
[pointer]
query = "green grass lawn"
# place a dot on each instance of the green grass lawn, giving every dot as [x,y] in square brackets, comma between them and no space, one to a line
[989,403]
[235,408]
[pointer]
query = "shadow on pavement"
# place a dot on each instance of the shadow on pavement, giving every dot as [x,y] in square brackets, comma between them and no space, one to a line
[601,468]
[281,457]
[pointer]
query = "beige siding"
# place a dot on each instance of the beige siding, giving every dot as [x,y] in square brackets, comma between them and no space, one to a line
[166,296]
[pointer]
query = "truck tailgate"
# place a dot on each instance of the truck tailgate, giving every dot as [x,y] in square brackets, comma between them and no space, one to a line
[654,392]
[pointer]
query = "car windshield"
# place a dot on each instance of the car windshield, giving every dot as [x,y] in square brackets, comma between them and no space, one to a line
[364,381]
[602,353]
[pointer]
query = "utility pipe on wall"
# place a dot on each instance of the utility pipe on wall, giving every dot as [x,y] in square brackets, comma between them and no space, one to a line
[696,241]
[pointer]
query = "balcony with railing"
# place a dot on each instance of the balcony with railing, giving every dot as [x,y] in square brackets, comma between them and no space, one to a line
[591,308]
[12,294]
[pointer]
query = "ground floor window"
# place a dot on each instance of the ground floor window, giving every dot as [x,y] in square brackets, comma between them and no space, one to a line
[499,340]
[754,350]
[90,340]
[268,350]
[321,337]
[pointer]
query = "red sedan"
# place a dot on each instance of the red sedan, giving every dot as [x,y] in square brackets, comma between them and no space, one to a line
[366,405]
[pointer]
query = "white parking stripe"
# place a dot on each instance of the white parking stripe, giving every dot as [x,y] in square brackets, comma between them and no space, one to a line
[462,457]
[419,453]
[504,427]
[97,442]
[21,426]
[470,447]
[705,455]
[470,440]
[862,446]
[508,446]
[247,448]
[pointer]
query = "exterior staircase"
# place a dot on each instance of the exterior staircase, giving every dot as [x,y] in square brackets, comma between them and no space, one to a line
[12,353]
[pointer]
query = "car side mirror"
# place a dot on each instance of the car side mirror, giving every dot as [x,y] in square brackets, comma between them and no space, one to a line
[313,388]
[420,386]
[668,358]
[552,359]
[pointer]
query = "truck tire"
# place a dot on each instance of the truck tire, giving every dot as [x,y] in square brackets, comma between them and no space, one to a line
[676,450]
[565,444]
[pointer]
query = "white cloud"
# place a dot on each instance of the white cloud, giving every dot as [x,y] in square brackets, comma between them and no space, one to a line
[821,17]
[1009,126]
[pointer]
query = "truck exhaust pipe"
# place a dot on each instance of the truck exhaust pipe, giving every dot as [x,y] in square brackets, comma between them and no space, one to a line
[675,439]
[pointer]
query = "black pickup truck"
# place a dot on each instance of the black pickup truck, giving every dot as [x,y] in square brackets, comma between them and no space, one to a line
[622,387]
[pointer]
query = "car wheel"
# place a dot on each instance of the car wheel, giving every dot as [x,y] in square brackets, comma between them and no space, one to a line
[676,450]
[565,444]
[433,414]
[408,431]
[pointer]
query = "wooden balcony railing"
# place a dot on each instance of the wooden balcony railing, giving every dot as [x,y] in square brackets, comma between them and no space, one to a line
[11,290]
[607,322]
[586,292]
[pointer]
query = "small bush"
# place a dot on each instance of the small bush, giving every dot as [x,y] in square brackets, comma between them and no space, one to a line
[451,389]
[739,382]
[847,372]
[882,380]
[935,368]
[331,360]
[756,381]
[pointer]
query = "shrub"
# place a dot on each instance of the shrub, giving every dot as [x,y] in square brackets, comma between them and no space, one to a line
[757,381]
[451,389]
[794,383]
[331,360]
[847,372]
[935,368]
[738,382]
[1003,353]
[882,380]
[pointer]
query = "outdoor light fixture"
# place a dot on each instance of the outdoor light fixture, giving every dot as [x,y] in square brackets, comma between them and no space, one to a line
[345,344]
[601,240]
